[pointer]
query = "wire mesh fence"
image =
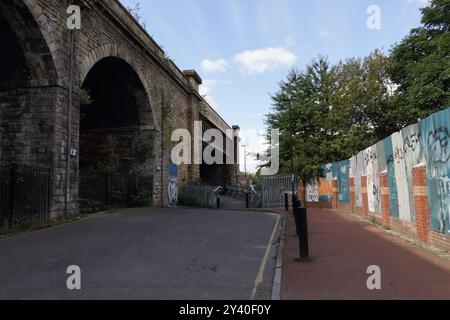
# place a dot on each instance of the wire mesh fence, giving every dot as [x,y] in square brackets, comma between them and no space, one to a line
[274,189]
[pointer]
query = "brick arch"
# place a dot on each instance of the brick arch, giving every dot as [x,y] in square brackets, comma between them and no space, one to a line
[30,25]
[113,51]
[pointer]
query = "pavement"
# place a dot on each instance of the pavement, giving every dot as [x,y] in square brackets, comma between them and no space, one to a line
[168,254]
[343,247]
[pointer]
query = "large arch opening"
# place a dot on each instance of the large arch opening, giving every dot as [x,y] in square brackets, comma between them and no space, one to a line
[116,136]
[25,61]
[28,98]
[214,174]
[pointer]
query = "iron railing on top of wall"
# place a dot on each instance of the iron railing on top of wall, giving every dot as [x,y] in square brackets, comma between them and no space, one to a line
[24,196]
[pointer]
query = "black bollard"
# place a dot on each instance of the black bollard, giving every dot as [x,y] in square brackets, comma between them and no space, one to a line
[286,201]
[303,234]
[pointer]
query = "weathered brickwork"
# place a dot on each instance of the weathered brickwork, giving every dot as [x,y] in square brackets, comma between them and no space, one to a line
[34,103]
[352,194]
[385,205]
[421,203]
[365,197]
[335,196]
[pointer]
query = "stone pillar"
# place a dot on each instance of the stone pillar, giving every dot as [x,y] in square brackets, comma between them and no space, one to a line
[419,175]
[352,195]
[335,199]
[365,197]
[385,203]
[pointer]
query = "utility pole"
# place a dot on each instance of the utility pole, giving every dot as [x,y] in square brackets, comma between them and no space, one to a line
[69,124]
[163,116]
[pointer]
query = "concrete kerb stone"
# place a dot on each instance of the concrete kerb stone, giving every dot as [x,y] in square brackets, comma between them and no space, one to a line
[276,287]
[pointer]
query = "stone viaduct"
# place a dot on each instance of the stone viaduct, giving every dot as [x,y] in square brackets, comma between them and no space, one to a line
[108,88]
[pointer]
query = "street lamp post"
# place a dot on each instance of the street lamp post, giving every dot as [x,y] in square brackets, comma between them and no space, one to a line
[291,142]
[245,163]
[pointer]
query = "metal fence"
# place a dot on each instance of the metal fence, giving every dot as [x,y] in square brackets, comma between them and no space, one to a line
[198,196]
[273,190]
[98,193]
[24,196]
[240,193]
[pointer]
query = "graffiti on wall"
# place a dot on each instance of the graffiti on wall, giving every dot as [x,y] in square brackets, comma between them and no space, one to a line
[412,153]
[359,172]
[426,142]
[342,174]
[404,195]
[325,183]
[312,193]
[373,179]
[435,144]
[390,167]
[173,184]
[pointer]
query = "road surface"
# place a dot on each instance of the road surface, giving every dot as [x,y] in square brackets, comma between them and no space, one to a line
[145,254]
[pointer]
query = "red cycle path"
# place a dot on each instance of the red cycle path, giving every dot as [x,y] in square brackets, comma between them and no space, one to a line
[342,247]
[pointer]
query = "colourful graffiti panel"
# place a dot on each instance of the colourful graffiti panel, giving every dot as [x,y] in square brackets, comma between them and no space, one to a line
[390,166]
[413,156]
[373,179]
[359,172]
[312,193]
[342,174]
[325,183]
[404,205]
[436,149]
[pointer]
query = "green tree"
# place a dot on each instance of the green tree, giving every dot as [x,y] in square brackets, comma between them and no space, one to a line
[299,111]
[333,112]
[421,62]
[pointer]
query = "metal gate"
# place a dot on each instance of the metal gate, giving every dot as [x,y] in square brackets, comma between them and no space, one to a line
[273,190]
[24,196]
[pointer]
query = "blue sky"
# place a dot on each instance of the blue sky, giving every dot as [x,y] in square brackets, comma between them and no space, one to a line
[243,48]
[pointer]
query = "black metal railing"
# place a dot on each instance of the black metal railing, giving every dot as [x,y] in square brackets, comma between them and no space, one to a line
[248,194]
[102,192]
[24,196]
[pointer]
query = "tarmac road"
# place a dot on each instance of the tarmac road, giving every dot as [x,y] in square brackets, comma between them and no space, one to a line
[145,254]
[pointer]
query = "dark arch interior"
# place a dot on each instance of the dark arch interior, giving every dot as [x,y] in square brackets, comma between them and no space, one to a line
[113,120]
[13,66]
[215,174]
[24,53]
[117,94]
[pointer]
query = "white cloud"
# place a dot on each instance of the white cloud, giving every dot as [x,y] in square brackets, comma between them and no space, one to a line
[214,66]
[267,59]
